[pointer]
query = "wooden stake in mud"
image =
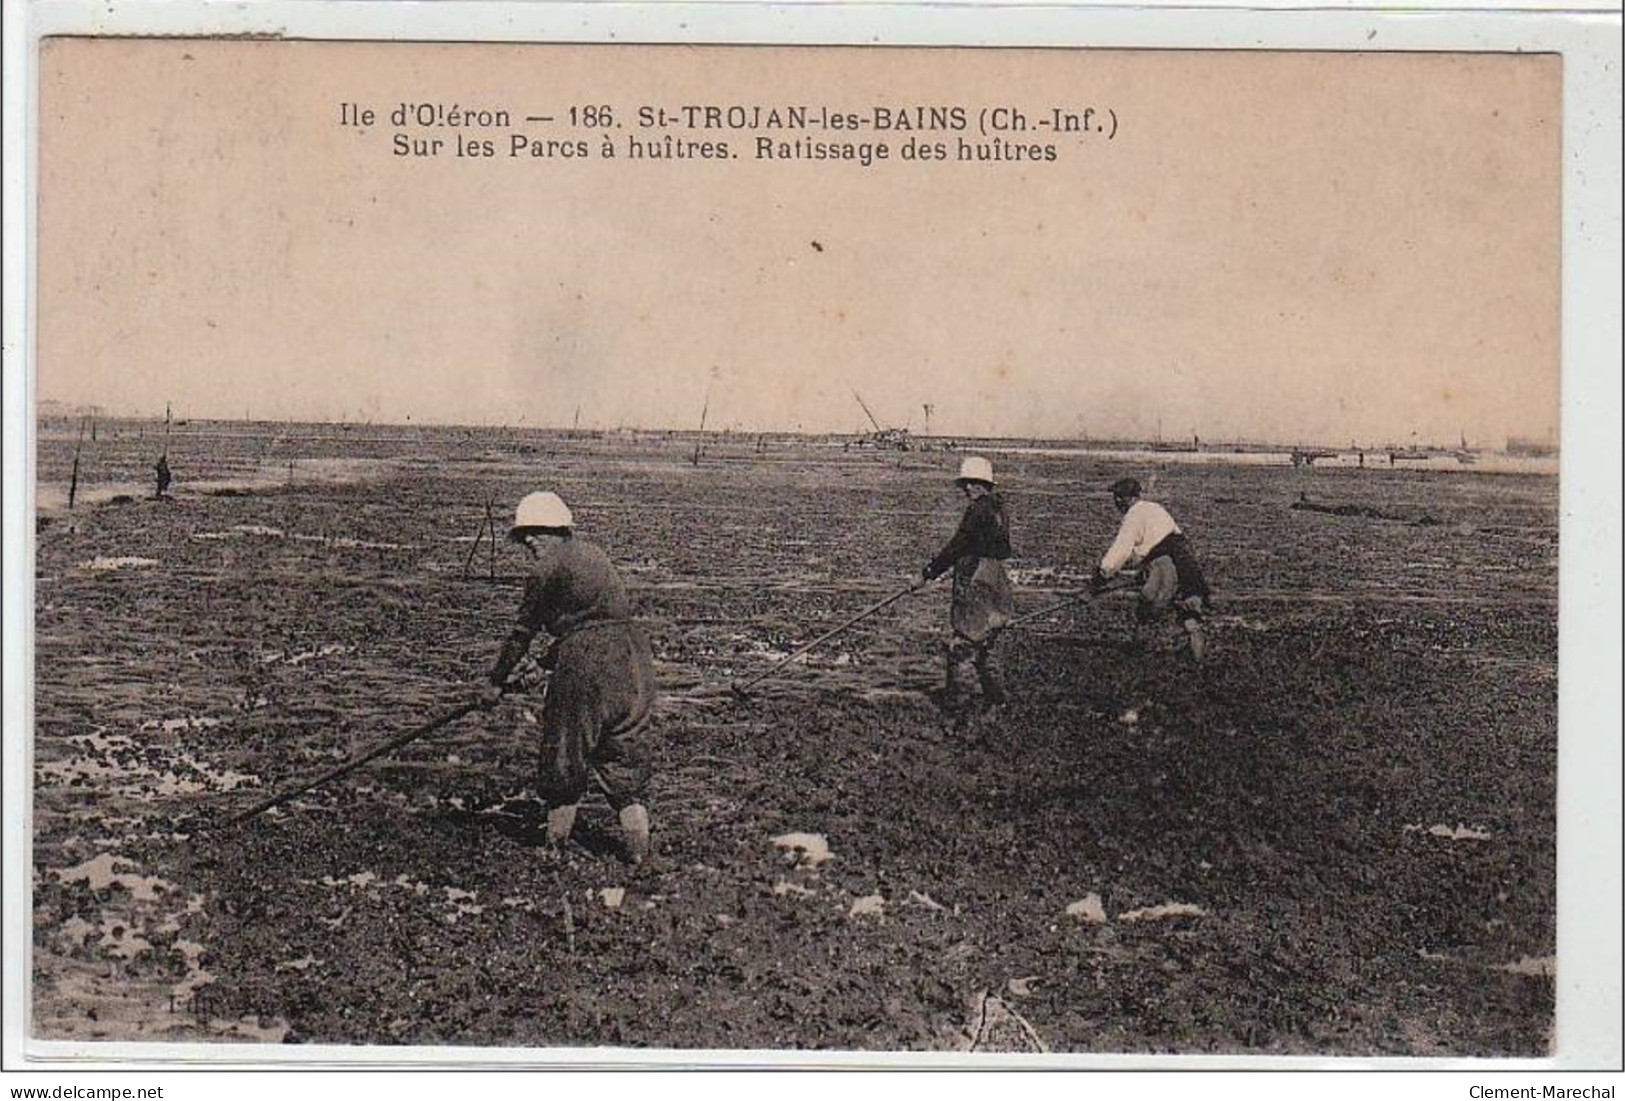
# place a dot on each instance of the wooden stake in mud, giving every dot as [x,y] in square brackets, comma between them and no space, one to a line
[73,480]
[491,528]
[162,467]
[739,689]
[474,548]
[699,444]
[488,527]
[356,762]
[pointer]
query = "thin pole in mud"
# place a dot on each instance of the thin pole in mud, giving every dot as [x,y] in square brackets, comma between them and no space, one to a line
[474,548]
[73,479]
[699,443]
[488,526]
[739,689]
[491,527]
[354,763]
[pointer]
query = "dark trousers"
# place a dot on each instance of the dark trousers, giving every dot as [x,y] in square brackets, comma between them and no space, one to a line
[974,662]
[1162,593]
[597,707]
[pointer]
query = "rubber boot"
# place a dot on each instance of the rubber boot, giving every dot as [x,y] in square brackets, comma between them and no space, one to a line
[635,831]
[963,671]
[561,821]
[1198,640]
[945,696]
[991,678]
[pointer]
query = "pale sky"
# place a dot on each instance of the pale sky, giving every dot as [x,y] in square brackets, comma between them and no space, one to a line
[1281,246]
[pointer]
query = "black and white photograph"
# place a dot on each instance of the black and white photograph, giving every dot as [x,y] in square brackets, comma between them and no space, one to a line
[981,555]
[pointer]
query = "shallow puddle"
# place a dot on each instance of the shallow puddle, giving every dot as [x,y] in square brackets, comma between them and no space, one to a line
[124,562]
[1087,909]
[118,764]
[1451,833]
[1543,966]
[868,906]
[170,726]
[102,871]
[80,1000]
[320,652]
[455,902]
[261,531]
[83,990]
[1163,912]
[240,531]
[809,849]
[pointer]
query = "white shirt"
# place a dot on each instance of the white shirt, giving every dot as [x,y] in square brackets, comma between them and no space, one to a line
[1145,524]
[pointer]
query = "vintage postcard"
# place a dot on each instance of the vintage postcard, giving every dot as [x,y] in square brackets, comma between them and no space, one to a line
[937,551]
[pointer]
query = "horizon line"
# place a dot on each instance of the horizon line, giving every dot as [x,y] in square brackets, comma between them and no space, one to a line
[71,412]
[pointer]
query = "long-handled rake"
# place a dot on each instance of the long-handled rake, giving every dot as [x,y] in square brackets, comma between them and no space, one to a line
[1077,598]
[740,689]
[444,719]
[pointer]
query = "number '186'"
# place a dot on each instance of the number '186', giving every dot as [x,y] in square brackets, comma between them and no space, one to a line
[592,115]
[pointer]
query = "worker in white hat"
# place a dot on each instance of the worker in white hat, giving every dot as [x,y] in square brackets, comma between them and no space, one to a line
[983,601]
[602,685]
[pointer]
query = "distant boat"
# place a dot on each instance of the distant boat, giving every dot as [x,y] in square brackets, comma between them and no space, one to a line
[885,439]
[1523,447]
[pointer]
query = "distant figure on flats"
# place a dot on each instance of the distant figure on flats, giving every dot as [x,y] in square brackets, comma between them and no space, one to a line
[983,602]
[1150,538]
[602,685]
[164,479]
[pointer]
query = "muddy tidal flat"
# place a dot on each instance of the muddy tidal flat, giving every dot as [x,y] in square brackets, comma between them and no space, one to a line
[1335,837]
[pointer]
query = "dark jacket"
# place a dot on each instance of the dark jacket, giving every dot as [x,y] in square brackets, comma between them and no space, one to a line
[983,600]
[573,587]
[984,532]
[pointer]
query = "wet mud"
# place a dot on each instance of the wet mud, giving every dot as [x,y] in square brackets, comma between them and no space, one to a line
[1335,837]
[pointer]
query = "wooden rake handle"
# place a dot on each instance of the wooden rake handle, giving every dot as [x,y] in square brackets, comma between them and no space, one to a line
[1079,598]
[354,763]
[739,689]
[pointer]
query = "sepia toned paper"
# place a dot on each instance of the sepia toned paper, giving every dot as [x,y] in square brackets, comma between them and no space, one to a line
[1055,243]
[750,309]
